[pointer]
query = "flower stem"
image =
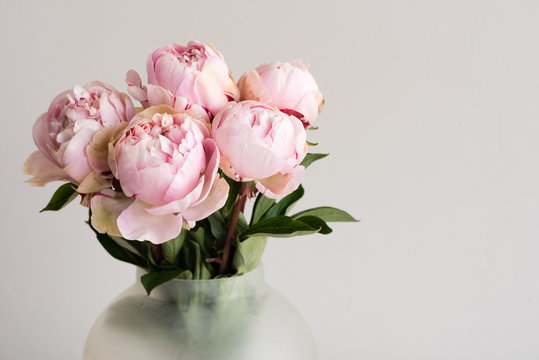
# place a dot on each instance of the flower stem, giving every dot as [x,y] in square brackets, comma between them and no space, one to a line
[238,207]
[157,253]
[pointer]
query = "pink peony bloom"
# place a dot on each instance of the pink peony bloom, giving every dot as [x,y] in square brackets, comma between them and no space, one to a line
[260,143]
[166,161]
[71,135]
[287,86]
[184,77]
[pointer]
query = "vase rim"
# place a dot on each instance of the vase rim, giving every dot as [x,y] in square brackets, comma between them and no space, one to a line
[258,271]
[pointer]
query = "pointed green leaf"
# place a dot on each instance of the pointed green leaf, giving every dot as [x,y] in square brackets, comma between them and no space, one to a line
[279,226]
[261,206]
[62,196]
[153,279]
[232,195]
[316,222]
[171,248]
[242,223]
[328,214]
[286,203]
[248,253]
[217,225]
[117,251]
[312,157]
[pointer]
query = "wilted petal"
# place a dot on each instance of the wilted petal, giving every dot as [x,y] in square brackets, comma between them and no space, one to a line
[42,169]
[92,183]
[106,208]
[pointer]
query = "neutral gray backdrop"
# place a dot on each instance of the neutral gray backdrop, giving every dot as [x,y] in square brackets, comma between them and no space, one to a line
[432,122]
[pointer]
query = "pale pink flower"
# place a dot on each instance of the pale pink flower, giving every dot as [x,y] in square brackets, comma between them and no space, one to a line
[71,134]
[185,77]
[287,86]
[262,144]
[167,162]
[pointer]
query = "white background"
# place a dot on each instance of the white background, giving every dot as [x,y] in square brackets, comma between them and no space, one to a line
[431,120]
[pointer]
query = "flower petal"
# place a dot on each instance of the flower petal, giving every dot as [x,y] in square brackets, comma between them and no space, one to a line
[215,200]
[106,207]
[42,169]
[136,223]
[280,185]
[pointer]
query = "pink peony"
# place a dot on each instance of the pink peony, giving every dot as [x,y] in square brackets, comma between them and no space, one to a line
[166,161]
[184,77]
[260,143]
[287,86]
[72,134]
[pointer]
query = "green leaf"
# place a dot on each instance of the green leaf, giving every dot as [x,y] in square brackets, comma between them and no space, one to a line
[328,214]
[261,206]
[232,195]
[195,257]
[62,196]
[198,236]
[286,203]
[217,225]
[312,157]
[311,143]
[171,248]
[206,272]
[279,226]
[248,253]
[242,225]
[186,275]
[316,222]
[153,279]
[134,246]
[117,251]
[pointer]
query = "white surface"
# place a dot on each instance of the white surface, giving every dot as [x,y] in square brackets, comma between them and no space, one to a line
[431,119]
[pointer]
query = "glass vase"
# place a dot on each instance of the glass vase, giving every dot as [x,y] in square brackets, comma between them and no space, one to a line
[235,318]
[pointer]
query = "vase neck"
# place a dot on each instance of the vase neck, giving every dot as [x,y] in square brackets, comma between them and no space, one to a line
[213,290]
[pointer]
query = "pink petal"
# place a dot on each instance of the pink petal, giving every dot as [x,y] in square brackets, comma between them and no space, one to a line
[212,165]
[179,205]
[136,223]
[210,93]
[42,169]
[251,86]
[215,200]
[42,138]
[159,96]
[135,87]
[74,157]
[280,185]
[310,104]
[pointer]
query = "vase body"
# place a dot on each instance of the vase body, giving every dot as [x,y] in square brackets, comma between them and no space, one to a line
[235,318]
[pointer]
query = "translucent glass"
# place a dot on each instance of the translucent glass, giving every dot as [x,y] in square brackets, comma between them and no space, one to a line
[236,318]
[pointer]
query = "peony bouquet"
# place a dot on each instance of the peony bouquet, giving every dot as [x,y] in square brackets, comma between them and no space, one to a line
[166,183]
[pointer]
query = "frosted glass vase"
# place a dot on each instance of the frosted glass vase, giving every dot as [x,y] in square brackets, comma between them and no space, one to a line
[237,318]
